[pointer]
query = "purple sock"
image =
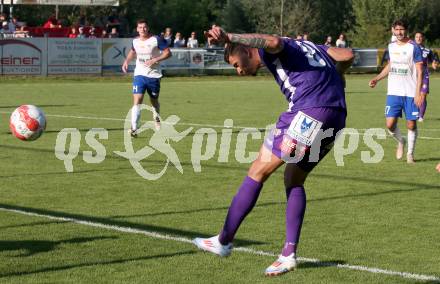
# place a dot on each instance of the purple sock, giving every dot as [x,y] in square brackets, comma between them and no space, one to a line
[296,206]
[423,109]
[241,205]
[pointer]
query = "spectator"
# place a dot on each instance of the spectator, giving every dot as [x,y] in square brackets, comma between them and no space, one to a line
[192,41]
[179,41]
[92,33]
[5,30]
[328,41]
[73,33]
[114,33]
[306,36]
[341,42]
[3,18]
[20,32]
[13,24]
[104,34]
[81,33]
[168,36]
[51,23]
[299,37]
[5,27]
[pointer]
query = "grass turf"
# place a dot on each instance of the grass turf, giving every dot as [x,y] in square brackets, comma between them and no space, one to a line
[382,215]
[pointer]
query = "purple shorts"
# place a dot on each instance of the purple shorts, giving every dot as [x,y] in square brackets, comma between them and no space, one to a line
[304,137]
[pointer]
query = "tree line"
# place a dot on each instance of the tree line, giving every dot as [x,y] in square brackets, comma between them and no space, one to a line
[366,23]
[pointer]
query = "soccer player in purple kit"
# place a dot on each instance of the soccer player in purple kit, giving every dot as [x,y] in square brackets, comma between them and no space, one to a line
[428,57]
[312,85]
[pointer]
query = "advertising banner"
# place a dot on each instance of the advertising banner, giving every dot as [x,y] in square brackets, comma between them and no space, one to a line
[22,56]
[365,58]
[114,52]
[74,56]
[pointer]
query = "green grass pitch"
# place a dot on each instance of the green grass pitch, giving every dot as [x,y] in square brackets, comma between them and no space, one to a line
[383,215]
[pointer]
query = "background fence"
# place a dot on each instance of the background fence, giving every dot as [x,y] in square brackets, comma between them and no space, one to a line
[64,56]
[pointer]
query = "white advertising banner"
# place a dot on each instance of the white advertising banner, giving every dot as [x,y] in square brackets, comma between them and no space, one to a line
[23,56]
[114,52]
[74,56]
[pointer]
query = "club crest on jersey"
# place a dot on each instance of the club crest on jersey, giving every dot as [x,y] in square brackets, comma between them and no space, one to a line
[305,125]
[304,128]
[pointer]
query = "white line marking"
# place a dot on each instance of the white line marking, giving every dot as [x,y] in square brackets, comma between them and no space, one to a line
[241,249]
[202,125]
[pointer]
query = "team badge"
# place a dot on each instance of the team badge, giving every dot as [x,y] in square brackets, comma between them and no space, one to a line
[304,128]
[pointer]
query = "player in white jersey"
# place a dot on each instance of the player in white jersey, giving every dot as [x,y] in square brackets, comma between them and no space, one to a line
[404,70]
[148,50]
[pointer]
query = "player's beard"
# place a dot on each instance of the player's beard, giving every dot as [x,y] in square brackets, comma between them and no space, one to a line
[399,37]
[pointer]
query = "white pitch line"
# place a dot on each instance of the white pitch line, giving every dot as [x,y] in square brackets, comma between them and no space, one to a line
[199,124]
[156,235]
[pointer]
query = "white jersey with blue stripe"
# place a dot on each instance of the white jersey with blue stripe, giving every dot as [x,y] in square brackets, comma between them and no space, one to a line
[402,78]
[145,50]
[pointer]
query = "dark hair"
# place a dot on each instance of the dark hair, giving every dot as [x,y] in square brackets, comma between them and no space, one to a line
[400,22]
[141,21]
[419,32]
[231,49]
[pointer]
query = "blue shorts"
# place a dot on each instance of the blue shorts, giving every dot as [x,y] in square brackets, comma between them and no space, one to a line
[396,104]
[150,85]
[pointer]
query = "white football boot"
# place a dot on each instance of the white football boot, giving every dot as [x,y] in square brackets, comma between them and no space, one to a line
[400,149]
[410,159]
[213,245]
[282,265]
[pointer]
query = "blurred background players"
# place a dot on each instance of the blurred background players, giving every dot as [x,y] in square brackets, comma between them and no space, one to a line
[428,57]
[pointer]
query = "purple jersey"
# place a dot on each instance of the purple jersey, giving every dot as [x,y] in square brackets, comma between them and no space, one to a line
[428,57]
[306,74]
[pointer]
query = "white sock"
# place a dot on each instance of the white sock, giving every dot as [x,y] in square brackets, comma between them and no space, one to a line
[156,110]
[396,134]
[412,137]
[135,115]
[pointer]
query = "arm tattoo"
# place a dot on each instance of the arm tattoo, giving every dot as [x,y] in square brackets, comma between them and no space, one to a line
[250,41]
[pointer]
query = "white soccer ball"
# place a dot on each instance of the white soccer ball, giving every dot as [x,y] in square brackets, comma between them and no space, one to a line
[27,122]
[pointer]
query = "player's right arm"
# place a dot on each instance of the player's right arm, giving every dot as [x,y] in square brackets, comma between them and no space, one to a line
[381,75]
[434,59]
[131,55]
[271,44]
[343,56]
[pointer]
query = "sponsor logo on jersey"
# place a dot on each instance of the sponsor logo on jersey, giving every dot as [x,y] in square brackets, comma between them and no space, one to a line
[304,128]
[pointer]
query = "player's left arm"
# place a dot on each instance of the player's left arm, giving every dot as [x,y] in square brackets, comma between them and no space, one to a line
[434,59]
[419,97]
[166,53]
[270,43]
